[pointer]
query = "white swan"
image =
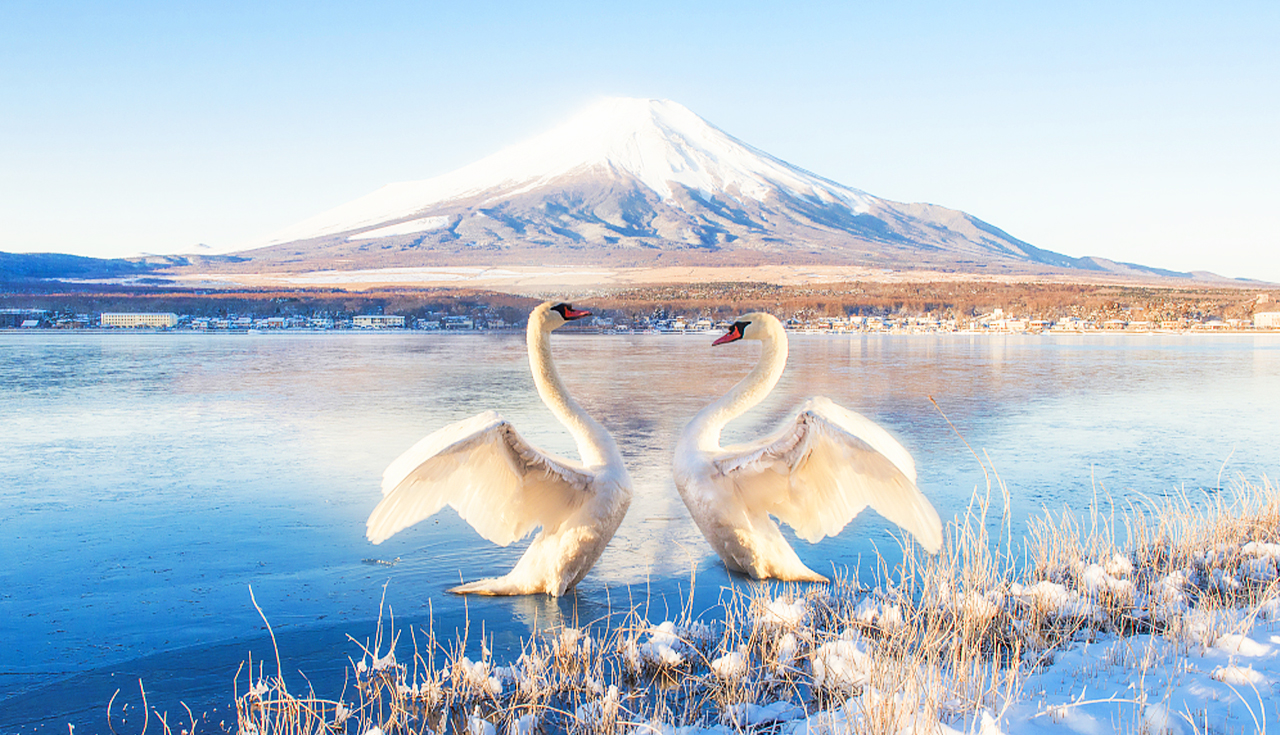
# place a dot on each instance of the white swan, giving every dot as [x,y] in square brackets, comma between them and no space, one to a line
[814,474]
[505,487]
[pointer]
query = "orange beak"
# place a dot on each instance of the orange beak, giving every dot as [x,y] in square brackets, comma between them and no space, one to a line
[733,336]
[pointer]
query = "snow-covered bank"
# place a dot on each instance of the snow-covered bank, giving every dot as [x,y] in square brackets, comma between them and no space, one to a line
[1177,629]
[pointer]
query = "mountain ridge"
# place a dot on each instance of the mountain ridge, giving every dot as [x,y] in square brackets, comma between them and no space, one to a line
[635,183]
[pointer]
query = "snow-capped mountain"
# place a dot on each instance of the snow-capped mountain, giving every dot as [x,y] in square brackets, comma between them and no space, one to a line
[638,182]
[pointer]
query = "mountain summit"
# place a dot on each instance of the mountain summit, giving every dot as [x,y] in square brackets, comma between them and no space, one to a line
[643,182]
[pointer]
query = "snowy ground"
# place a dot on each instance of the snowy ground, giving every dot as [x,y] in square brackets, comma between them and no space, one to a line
[1177,633]
[1097,684]
[1114,684]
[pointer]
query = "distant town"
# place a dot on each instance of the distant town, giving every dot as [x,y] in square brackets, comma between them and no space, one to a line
[1266,316]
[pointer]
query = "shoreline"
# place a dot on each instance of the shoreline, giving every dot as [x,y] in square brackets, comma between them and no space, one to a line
[526,280]
[254,332]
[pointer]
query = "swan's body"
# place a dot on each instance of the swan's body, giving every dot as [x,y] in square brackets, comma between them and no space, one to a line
[505,487]
[814,474]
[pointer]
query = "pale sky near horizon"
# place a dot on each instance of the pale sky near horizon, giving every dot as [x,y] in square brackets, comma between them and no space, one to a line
[1144,132]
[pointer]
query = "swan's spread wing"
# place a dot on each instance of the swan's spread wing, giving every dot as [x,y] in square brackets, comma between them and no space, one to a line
[816,474]
[481,467]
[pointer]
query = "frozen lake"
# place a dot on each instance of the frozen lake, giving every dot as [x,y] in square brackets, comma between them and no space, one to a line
[147,481]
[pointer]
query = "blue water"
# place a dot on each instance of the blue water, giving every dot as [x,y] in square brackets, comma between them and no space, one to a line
[148,481]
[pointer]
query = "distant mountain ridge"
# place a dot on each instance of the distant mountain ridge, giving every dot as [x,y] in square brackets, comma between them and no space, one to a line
[626,183]
[33,269]
[637,182]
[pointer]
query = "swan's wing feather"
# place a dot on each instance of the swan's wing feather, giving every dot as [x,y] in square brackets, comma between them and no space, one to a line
[481,467]
[867,430]
[458,436]
[820,471]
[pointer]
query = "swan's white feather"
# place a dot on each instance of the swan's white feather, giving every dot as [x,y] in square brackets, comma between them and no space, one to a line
[482,468]
[818,472]
[815,473]
[866,430]
[506,488]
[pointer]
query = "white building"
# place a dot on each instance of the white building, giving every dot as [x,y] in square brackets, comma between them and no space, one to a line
[119,319]
[377,321]
[457,322]
[1266,320]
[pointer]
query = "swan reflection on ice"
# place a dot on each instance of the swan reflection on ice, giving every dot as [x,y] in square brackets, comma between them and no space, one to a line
[814,474]
[505,487]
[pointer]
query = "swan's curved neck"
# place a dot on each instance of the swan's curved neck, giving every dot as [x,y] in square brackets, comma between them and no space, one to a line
[595,446]
[749,391]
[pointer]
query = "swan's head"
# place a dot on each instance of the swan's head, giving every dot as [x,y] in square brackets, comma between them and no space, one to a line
[552,315]
[756,325]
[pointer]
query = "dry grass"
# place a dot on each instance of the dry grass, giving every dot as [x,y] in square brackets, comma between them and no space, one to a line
[938,638]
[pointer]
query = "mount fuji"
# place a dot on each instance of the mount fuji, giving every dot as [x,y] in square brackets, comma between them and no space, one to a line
[639,182]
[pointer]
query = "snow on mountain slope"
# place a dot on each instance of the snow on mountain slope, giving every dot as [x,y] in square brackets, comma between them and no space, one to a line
[641,182]
[656,142]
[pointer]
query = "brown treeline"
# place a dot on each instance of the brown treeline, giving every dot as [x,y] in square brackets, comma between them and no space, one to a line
[958,300]
[942,299]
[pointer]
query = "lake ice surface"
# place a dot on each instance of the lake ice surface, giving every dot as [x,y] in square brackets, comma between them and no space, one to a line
[147,481]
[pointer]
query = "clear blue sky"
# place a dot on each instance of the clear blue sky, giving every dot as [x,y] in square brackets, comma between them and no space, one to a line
[1140,131]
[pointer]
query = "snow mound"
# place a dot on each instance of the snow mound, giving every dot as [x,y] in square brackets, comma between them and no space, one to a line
[1240,645]
[1097,580]
[732,665]
[1238,675]
[479,676]
[841,664]
[879,614]
[787,651]
[668,646]
[1054,599]
[783,614]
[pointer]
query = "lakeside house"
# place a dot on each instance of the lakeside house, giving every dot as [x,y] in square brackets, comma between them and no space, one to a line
[1265,316]
[1266,319]
[22,318]
[457,322]
[136,320]
[377,321]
